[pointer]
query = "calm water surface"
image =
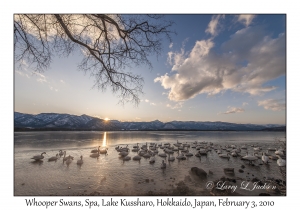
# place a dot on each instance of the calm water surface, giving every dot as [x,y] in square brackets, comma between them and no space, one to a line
[110,175]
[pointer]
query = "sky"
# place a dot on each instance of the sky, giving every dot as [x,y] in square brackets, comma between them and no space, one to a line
[229,68]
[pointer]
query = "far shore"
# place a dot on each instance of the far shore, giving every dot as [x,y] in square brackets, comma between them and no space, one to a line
[280,129]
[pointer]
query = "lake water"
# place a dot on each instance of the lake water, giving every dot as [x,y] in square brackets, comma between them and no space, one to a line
[110,175]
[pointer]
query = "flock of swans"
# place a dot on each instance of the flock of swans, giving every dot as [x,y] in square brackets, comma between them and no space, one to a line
[202,148]
[166,152]
[67,159]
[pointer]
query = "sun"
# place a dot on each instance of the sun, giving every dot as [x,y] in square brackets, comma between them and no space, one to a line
[106,118]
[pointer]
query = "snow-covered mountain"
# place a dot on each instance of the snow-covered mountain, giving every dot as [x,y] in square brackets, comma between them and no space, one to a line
[53,121]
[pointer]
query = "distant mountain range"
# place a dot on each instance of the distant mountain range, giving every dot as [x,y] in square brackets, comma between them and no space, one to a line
[55,121]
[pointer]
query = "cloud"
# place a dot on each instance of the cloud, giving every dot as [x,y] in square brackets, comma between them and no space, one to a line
[176,106]
[247,61]
[40,77]
[22,73]
[171,45]
[62,81]
[153,104]
[146,100]
[245,104]
[233,110]
[246,19]
[214,25]
[273,104]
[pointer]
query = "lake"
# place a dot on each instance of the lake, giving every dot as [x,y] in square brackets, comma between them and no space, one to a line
[110,175]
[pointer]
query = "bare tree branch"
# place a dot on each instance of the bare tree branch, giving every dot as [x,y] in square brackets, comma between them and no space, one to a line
[109,43]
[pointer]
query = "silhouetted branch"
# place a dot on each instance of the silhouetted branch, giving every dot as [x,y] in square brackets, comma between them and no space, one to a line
[109,43]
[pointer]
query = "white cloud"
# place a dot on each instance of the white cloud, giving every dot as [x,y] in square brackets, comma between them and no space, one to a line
[171,45]
[146,100]
[246,62]
[175,106]
[153,104]
[245,104]
[273,104]
[23,74]
[62,81]
[246,19]
[40,77]
[213,26]
[233,110]
[176,59]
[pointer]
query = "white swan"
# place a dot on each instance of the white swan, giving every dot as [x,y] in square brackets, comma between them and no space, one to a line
[61,153]
[169,151]
[198,154]
[244,147]
[234,154]
[135,150]
[123,153]
[280,161]
[95,155]
[137,157]
[126,149]
[54,158]
[145,146]
[103,151]
[66,158]
[258,155]
[69,160]
[224,155]
[273,157]
[267,153]
[95,150]
[162,154]
[188,154]
[147,155]
[250,158]
[126,158]
[177,144]
[80,162]
[279,152]
[171,158]
[142,152]
[203,152]
[163,164]
[181,157]
[39,157]
[265,158]
[256,148]
[152,160]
